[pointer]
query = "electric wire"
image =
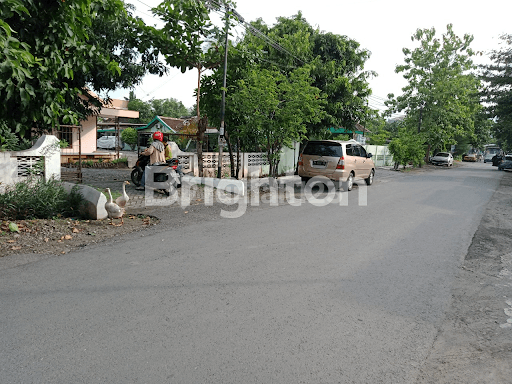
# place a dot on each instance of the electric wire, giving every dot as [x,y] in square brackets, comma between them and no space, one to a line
[375,102]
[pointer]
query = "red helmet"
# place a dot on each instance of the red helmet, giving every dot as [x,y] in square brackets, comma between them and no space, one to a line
[158,136]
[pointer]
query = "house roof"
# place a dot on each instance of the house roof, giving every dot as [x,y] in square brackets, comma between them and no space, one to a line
[172,125]
[115,108]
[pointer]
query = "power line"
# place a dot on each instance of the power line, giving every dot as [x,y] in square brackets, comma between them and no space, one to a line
[161,85]
[143,4]
[255,31]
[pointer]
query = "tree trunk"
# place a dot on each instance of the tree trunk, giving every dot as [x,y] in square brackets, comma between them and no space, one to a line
[198,89]
[230,149]
[201,129]
[428,154]
[238,158]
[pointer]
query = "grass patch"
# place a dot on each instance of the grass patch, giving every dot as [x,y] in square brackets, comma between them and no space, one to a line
[36,198]
[115,194]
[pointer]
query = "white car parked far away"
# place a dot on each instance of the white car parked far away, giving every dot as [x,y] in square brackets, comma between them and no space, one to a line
[442,158]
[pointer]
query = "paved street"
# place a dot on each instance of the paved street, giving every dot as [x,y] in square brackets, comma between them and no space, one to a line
[113,179]
[354,291]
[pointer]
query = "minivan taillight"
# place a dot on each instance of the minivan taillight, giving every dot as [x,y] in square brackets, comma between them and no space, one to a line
[341,163]
[300,160]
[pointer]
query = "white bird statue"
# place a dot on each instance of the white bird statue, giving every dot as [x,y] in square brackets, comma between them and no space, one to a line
[123,199]
[114,211]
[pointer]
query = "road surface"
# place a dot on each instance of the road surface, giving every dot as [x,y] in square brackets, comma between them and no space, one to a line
[341,293]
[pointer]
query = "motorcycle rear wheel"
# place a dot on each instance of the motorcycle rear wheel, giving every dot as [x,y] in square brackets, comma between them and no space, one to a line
[136,177]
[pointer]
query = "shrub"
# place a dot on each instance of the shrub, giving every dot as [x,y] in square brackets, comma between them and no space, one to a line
[407,148]
[121,160]
[36,198]
[129,136]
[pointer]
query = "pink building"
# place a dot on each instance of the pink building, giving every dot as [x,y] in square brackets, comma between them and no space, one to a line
[83,139]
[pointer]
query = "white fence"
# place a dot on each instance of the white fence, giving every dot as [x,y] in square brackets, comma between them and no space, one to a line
[43,159]
[252,164]
[381,155]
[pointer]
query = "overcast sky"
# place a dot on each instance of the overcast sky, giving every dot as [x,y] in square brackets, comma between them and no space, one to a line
[382,27]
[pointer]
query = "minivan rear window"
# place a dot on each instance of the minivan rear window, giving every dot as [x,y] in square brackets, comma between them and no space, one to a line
[323,148]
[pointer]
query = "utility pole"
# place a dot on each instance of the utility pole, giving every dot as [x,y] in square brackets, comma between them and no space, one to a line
[223,103]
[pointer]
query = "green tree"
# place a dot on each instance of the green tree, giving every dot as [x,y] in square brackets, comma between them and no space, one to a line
[156,107]
[277,109]
[145,109]
[55,51]
[377,127]
[441,97]
[168,107]
[498,91]
[339,73]
[129,136]
[407,148]
[336,66]
[334,63]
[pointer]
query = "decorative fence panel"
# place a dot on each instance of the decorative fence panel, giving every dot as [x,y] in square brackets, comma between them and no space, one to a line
[29,166]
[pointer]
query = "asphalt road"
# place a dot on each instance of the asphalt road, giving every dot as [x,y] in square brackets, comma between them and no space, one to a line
[341,293]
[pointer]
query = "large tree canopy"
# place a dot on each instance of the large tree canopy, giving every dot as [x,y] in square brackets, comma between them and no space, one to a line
[498,92]
[330,71]
[56,50]
[336,63]
[441,97]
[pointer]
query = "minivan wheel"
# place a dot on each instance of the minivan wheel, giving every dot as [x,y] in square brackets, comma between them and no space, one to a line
[347,185]
[369,180]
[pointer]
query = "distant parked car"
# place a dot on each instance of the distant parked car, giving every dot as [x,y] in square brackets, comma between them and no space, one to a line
[506,163]
[108,142]
[471,157]
[442,158]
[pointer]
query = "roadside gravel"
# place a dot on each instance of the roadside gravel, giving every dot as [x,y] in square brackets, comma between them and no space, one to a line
[474,343]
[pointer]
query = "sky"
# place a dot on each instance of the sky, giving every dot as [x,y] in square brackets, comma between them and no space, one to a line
[382,27]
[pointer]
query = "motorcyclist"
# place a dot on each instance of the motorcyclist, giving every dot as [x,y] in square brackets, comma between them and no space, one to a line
[156,152]
[168,156]
[497,159]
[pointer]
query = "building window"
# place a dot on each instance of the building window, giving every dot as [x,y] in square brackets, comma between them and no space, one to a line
[66,134]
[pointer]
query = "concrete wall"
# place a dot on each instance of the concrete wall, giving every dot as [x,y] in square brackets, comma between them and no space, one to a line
[89,135]
[15,166]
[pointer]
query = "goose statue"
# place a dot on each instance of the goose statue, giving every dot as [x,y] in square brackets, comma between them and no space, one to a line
[123,199]
[114,211]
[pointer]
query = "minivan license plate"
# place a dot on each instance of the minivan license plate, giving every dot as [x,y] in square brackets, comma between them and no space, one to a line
[319,162]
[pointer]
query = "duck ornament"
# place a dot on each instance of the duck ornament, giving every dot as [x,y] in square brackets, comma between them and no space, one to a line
[114,211]
[123,199]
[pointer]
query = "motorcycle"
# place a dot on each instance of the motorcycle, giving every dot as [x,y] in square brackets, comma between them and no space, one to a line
[138,169]
[143,162]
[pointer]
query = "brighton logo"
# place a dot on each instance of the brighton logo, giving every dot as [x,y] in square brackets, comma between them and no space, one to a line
[174,189]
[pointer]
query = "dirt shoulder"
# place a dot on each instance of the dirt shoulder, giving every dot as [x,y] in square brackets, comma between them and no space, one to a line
[474,343]
[60,236]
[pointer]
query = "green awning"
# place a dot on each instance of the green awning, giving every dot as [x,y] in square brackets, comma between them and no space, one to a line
[343,130]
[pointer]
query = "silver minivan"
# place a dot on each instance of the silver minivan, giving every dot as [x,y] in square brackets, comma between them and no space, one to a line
[340,161]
